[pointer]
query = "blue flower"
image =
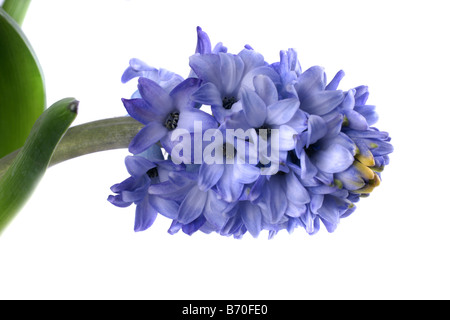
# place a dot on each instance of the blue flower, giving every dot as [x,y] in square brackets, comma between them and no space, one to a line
[163,112]
[168,80]
[197,208]
[322,151]
[146,169]
[223,75]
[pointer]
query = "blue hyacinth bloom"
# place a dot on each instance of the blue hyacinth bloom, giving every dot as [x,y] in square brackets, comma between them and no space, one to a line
[324,152]
[145,169]
[163,112]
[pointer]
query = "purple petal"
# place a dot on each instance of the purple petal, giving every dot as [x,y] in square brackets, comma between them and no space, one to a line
[203,42]
[295,192]
[368,112]
[251,59]
[142,111]
[231,69]
[148,136]
[266,89]
[334,159]
[349,101]
[209,175]
[356,121]
[137,68]
[286,138]
[208,94]
[282,111]
[321,102]
[247,81]
[188,117]
[334,83]
[299,121]
[168,208]
[228,188]
[145,215]
[207,68]
[310,82]
[255,109]
[118,201]
[216,210]
[316,202]
[317,129]
[246,173]
[181,94]
[192,206]
[138,166]
[155,95]
[252,217]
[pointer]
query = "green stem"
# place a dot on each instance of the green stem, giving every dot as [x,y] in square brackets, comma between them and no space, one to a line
[102,135]
[16,9]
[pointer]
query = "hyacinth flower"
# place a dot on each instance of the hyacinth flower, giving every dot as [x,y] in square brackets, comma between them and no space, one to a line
[168,80]
[163,112]
[146,169]
[223,75]
[329,153]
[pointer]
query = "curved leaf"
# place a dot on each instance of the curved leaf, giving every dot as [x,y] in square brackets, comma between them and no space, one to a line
[30,164]
[22,92]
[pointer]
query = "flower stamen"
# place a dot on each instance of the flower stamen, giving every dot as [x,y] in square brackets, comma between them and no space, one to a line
[172,121]
[152,173]
[227,102]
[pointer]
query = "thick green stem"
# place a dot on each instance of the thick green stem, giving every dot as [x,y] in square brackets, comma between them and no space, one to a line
[102,135]
[16,9]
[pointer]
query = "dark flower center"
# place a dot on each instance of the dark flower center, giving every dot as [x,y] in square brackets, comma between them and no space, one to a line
[227,102]
[263,127]
[231,151]
[172,120]
[153,172]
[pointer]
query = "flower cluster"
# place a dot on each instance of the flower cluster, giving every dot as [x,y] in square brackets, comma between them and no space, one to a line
[281,148]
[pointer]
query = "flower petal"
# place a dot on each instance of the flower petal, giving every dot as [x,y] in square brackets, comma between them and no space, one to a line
[245,173]
[310,82]
[181,94]
[146,137]
[228,188]
[266,89]
[192,206]
[282,111]
[334,83]
[206,67]
[252,217]
[334,159]
[317,129]
[286,138]
[356,121]
[209,175]
[254,108]
[189,117]
[251,59]
[203,42]
[216,210]
[295,192]
[155,95]
[208,94]
[168,208]
[143,112]
[231,71]
[145,215]
[138,166]
[321,102]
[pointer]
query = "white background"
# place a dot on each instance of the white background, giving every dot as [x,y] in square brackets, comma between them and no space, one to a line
[70,243]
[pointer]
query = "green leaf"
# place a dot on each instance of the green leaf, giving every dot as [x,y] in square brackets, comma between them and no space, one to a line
[19,181]
[22,91]
[17,9]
